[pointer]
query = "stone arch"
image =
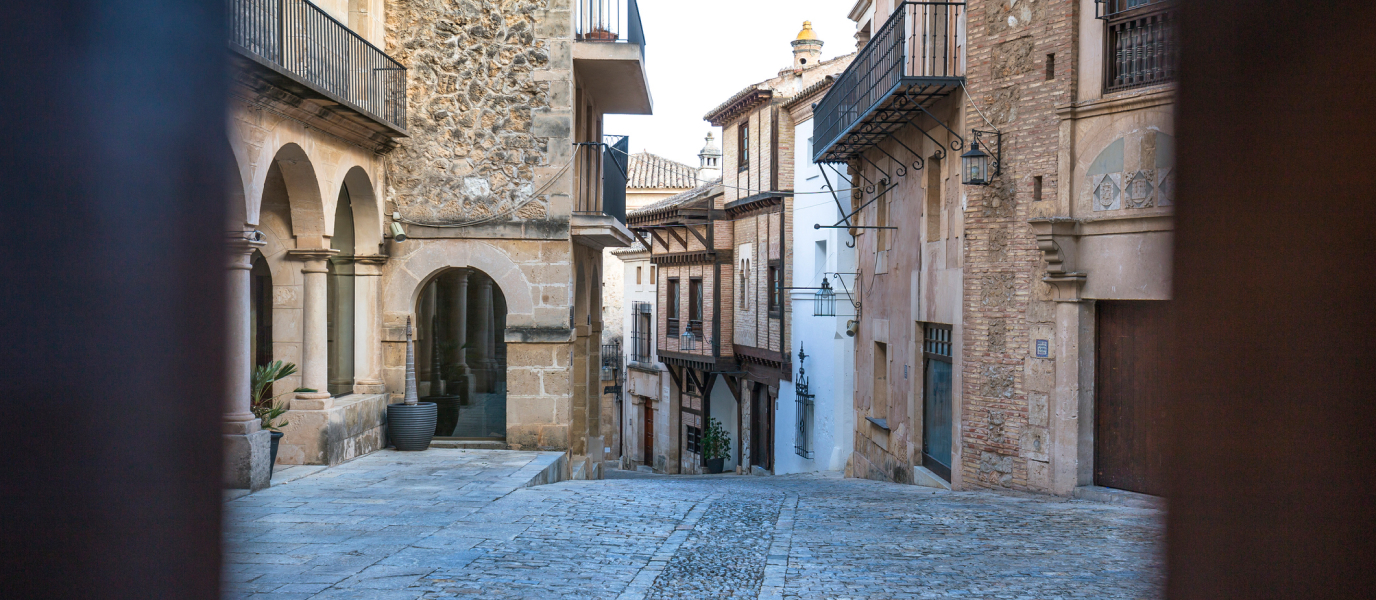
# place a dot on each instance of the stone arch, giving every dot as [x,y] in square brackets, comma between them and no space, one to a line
[367,210]
[305,203]
[1094,146]
[407,277]
[236,213]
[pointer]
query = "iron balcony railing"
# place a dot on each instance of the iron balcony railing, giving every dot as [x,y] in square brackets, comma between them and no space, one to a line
[920,41]
[609,21]
[1140,44]
[602,173]
[321,53]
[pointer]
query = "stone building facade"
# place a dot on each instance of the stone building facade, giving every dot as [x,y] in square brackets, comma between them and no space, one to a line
[1054,296]
[478,136]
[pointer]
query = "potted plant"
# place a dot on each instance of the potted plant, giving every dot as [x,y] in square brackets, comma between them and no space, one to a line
[269,409]
[411,423]
[716,445]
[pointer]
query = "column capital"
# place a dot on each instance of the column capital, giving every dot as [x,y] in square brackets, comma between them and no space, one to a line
[314,258]
[370,265]
[241,244]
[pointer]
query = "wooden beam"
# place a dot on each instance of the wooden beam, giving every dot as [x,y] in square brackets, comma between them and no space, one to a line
[654,234]
[677,237]
[676,376]
[733,384]
[695,233]
[642,241]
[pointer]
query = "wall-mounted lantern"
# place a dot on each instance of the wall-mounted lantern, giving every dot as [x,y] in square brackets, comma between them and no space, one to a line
[824,301]
[978,167]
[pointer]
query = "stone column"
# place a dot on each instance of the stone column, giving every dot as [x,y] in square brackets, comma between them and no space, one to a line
[486,325]
[460,321]
[368,325]
[246,444]
[315,342]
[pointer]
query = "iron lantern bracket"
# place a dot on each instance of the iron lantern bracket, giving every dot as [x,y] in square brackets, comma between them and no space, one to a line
[996,157]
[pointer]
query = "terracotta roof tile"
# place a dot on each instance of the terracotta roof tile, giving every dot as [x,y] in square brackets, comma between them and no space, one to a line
[649,171]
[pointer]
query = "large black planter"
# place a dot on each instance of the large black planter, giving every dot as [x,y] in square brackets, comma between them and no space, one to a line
[272,454]
[714,465]
[411,427]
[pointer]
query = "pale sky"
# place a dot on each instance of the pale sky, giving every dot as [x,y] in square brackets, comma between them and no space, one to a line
[698,53]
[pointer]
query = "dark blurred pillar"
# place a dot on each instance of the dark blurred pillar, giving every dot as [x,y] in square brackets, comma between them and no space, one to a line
[112,164]
[1273,491]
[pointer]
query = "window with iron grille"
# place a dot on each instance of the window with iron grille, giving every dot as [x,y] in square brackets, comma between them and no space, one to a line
[1140,46]
[693,439]
[672,314]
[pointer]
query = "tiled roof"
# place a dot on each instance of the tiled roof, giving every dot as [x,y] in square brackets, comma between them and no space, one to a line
[649,171]
[676,199]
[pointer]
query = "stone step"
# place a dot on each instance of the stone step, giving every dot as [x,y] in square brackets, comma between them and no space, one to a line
[469,444]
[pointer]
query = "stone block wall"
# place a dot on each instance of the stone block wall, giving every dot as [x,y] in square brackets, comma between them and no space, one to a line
[1005,301]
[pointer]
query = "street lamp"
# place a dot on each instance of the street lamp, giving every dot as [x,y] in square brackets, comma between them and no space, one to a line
[975,167]
[824,301]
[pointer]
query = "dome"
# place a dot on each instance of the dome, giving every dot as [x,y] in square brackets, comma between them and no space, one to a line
[807,34]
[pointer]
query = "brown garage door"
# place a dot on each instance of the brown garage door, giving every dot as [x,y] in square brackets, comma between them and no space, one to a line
[1129,450]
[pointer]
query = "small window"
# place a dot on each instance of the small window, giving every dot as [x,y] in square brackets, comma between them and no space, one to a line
[1037,188]
[776,288]
[673,299]
[1050,66]
[743,145]
[695,300]
[654,275]
[881,381]
[637,275]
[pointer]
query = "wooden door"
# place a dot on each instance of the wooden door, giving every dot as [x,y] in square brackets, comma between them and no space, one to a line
[761,428]
[649,441]
[1130,388]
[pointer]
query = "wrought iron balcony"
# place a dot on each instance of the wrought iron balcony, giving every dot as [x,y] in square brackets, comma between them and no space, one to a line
[1140,45]
[599,198]
[298,40]
[915,59]
[609,21]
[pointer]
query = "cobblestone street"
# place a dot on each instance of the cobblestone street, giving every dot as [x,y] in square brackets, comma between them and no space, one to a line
[461,524]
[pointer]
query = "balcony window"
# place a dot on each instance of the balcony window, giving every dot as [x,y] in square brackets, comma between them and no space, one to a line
[640,332]
[1140,45]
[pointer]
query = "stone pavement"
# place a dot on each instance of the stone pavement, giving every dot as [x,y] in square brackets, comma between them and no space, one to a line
[459,524]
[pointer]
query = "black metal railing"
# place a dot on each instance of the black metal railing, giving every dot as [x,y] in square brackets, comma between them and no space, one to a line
[641,315]
[920,40]
[1140,44]
[802,442]
[1107,9]
[603,169]
[609,21]
[321,53]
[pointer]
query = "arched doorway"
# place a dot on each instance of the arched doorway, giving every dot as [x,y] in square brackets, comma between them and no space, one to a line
[260,310]
[340,309]
[461,353]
